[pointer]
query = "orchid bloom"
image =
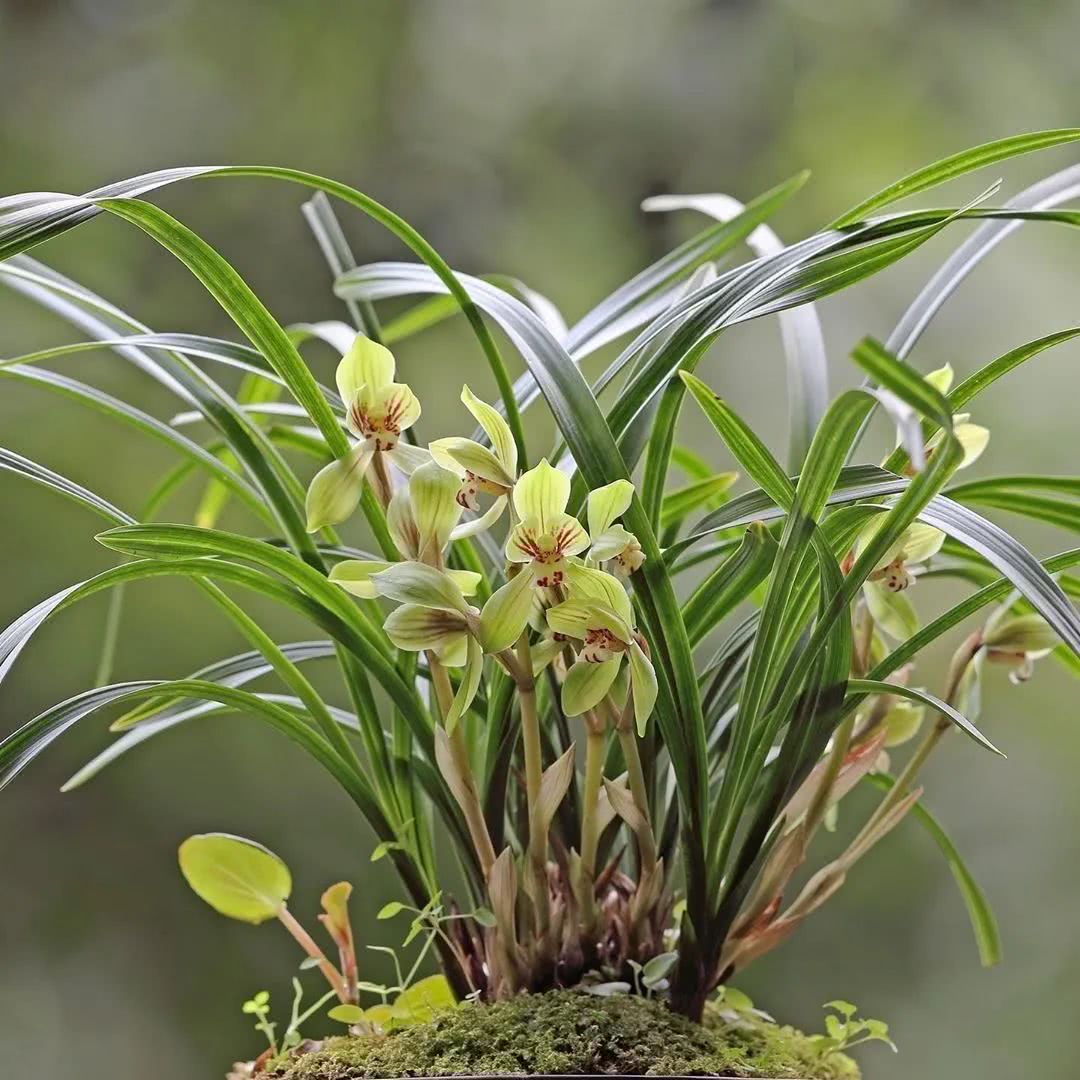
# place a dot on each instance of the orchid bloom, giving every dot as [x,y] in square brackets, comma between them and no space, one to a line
[378,410]
[435,617]
[422,519]
[600,616]
[1019,640]
[972,437]
[434,614]
[884,588]
[480,469]
[613,545]
[1016,640]
[540,544]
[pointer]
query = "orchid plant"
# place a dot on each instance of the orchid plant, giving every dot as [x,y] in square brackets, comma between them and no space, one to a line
[628,706]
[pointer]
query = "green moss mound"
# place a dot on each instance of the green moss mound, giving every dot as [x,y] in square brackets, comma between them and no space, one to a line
[568,1032]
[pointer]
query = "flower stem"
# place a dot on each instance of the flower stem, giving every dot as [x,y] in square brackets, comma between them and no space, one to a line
[636,776]
[534,771]
[595,751]
[906,780]
[820,802]
[470,801]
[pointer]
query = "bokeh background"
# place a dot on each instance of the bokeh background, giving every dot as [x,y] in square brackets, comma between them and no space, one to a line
[519,138]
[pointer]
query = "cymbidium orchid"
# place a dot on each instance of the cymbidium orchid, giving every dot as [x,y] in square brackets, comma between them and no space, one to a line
[600,616]
[885,588]
[613,546]
[538,547]
[422,519]
[434,616]
[493,470]
[536,852]
[377,411]
[973,438]
[1018,641]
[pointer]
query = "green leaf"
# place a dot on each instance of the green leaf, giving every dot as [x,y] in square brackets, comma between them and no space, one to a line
[347,1014]
[731,582]
[658,968]
[425,998]
[241,305]
[92,315]
[679,503]
[141,421]
[388,911]
[484,917]
[22,466]
[236,877]
[956,165]
[800,327]
[922,697]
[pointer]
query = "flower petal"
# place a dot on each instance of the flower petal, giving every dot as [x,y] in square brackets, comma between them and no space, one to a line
[915,544]
[416,583]
[920,542]
[335,490]
[497,429]
[973,439]
[609,543]
[468,581]
[608,503]
[459,455]
[394,404]
[408,458]
[572,539]
[506,613]
[415,628]
[455,651]
[541,495]
[544,652]
[433,492]
[940,379]
[354,576]
[1019,633]
[902,722]
[644,686]
[575,617]
[586,684]
[401,521]
[365,364]
[470,683]
[892,611]
[587,583]
[482,523]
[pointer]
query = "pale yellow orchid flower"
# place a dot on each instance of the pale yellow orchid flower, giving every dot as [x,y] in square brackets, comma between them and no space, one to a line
[377,411]
[887,583]
[599,615]
[493,470]
[613,545]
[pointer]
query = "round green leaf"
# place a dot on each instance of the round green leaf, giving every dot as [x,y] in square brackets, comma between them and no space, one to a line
[236,877]
[347,1014]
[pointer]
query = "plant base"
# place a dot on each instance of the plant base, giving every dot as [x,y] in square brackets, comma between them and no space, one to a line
[568,1033]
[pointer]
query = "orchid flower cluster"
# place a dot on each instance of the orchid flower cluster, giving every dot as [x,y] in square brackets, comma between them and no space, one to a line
[628,717]
[565,584]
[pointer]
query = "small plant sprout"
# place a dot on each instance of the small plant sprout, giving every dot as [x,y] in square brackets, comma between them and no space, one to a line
[258,1005]
[844,1030]
[596,707]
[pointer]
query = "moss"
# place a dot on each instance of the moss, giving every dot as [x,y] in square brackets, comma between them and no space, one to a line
[567,1032]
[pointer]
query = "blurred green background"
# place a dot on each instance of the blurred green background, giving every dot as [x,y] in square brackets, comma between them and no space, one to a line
[519,138]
